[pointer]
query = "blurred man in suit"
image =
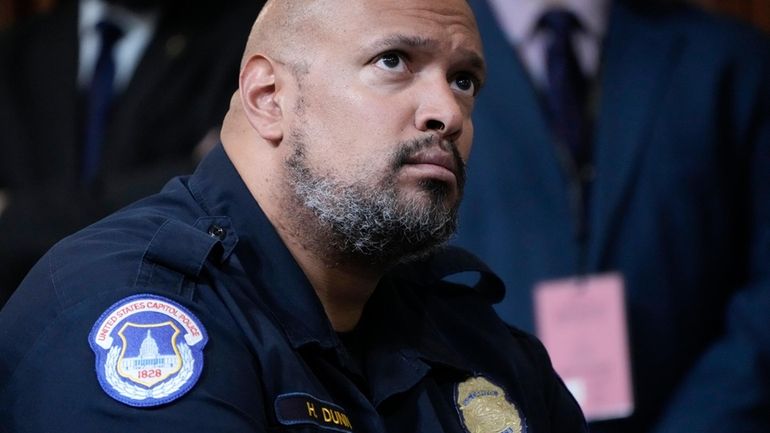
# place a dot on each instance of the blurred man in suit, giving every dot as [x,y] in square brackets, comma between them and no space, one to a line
[102,102]
[636,154]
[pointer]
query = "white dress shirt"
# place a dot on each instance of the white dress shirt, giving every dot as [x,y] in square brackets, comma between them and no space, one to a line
[138,29]
[518,19]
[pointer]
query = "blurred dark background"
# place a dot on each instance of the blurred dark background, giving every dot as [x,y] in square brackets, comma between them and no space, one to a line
[12,10]
[753,11]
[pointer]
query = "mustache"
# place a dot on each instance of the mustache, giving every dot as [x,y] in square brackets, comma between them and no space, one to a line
[407,149]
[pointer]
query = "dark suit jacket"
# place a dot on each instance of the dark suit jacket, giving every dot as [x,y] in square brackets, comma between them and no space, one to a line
[680,204]
[178,94]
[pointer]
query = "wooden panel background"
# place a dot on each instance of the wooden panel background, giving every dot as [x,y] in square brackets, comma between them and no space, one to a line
[756,12]
[11,10]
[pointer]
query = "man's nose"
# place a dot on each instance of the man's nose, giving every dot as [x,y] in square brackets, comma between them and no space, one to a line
[439,110]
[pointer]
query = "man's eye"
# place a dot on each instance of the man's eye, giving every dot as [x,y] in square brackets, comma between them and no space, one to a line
[466,84]
[391,61]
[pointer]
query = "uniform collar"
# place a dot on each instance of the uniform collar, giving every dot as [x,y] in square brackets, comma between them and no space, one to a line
[278,281]
[403,342]
[399,329]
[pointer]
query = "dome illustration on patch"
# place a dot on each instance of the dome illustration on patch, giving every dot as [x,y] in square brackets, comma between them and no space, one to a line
[149,350]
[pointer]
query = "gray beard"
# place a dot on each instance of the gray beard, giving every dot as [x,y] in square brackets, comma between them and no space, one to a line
[369,222]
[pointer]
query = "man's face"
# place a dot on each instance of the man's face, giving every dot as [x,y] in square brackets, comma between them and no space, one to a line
[382,126]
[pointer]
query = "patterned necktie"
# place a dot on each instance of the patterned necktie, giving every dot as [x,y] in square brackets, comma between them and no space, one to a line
[100,95]
[567,90]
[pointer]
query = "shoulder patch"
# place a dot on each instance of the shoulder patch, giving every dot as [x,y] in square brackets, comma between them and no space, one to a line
[484,408]
[149,350]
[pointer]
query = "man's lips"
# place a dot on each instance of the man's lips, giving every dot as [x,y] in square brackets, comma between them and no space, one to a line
[434,157]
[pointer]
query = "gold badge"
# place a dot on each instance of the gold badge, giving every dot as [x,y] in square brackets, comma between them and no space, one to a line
[484,408]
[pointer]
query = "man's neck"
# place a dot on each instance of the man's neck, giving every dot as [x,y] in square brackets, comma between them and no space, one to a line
[342,287]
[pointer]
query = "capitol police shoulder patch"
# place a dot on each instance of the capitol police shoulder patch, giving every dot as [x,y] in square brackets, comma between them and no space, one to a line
[149,350]
[484,408]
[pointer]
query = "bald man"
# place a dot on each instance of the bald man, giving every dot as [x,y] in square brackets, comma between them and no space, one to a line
[295,281]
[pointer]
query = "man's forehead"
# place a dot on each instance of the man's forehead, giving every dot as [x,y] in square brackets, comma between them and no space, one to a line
[298,27]
[417,23]
[443,6]
[447,12]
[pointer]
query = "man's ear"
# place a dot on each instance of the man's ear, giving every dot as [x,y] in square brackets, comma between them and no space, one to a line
[259,97]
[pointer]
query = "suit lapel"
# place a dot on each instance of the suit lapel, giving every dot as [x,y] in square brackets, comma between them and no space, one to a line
[511,102]
[638,58]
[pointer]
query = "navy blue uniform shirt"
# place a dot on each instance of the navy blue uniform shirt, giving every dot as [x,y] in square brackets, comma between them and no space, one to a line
[186,313]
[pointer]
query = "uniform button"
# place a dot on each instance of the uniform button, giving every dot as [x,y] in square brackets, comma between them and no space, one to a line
[217,232]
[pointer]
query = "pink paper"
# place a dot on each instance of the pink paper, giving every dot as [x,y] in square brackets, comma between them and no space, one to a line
[582,322]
